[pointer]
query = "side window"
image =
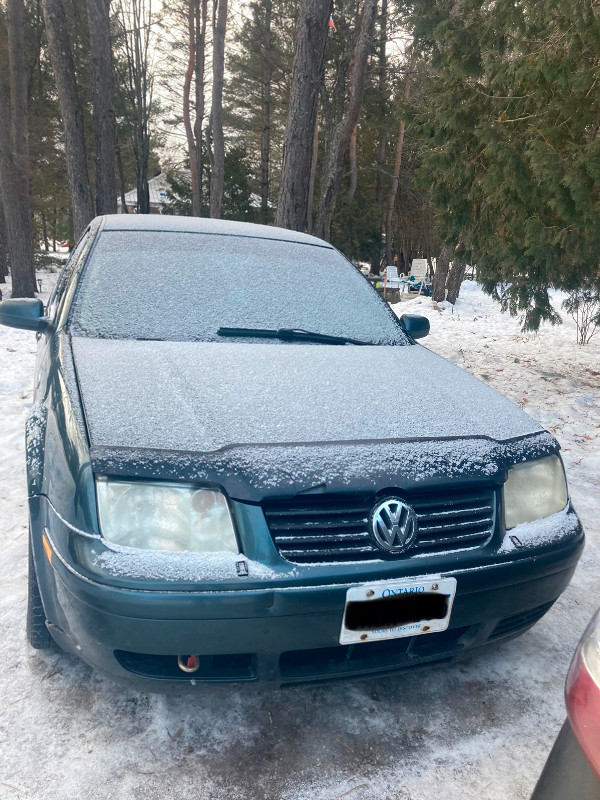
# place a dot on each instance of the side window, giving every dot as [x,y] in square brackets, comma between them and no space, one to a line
[70,268]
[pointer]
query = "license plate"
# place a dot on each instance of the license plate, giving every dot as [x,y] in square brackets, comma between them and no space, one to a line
[392,609]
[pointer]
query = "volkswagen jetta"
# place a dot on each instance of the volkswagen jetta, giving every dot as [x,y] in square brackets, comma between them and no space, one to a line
[242,466]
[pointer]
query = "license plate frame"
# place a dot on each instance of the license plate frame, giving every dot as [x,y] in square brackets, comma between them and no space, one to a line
[433,589]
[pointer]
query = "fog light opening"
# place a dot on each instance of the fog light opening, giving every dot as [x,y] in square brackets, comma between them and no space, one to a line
[188,663]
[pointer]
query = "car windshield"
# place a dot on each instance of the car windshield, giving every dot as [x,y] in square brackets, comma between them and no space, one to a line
[186,286]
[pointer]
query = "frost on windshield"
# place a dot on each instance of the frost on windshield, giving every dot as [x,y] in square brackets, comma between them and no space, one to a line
[184,286]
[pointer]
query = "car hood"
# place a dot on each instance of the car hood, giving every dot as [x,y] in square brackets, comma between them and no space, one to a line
[209,399]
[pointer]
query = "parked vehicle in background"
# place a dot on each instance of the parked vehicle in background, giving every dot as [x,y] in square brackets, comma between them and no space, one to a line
[572,771]
[242,467]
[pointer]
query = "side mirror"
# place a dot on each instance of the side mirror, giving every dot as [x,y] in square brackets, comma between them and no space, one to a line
[415,325]
[25,313]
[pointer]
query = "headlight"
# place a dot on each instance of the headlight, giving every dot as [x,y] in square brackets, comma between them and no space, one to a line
[164,516]
[533,490]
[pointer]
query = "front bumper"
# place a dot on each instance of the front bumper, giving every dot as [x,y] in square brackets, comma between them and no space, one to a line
[285,630]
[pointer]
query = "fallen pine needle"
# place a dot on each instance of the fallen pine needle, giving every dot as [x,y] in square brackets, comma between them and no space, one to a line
[52,671]
[354,788]
[18,700]
[175,735]
[343,745]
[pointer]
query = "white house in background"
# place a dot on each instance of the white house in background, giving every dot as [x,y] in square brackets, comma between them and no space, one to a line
[157,187]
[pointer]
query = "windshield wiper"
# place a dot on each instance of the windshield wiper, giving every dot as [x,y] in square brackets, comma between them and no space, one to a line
[289,335]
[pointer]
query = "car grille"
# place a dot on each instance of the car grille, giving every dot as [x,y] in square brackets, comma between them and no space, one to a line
[520,622]
[328,529]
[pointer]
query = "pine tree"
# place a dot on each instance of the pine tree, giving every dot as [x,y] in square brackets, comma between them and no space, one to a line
[237,195]
[257,91]
[510,148]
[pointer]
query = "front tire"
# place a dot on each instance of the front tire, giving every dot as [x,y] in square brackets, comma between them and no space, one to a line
[37,632]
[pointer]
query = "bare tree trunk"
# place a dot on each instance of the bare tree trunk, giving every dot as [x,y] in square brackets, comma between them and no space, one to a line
[454,280]
[14,161]
[124,209]
[217,177]
[136,23]
[313,176]
[192,144]
[397,165]
[194,133]
[45,231]
[307,79]
[353,167]
[332,173]
[14,185]
[441,273]
[104,112]
[201,20]
[382,148]
[17,73]
[72,114]
[3,247]
[266,131]
[142,82]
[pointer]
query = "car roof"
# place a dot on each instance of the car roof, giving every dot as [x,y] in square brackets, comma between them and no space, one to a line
[221,227]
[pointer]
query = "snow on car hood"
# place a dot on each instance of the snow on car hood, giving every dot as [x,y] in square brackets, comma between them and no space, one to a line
[204,396]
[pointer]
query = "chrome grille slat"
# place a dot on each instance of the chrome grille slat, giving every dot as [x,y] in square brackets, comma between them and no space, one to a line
[454,513]
[328,529]
[444,540]
[329,551]
[320,524]
[299,512]
[459,526]
[334,537]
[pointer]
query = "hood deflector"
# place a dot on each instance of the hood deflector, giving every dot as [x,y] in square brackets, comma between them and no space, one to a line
[254,472]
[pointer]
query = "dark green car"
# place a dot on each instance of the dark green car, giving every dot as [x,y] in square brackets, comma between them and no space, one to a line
[242,467]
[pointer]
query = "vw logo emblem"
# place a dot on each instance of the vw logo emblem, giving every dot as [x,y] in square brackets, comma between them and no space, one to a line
[393,525]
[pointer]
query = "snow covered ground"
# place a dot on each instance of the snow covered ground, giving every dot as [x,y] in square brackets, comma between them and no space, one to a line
[479,729]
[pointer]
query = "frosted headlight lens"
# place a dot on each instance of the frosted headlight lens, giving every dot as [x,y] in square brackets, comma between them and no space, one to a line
[533,490]
[155,516]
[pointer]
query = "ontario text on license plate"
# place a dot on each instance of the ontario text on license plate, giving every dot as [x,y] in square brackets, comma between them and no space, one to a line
[392,609]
